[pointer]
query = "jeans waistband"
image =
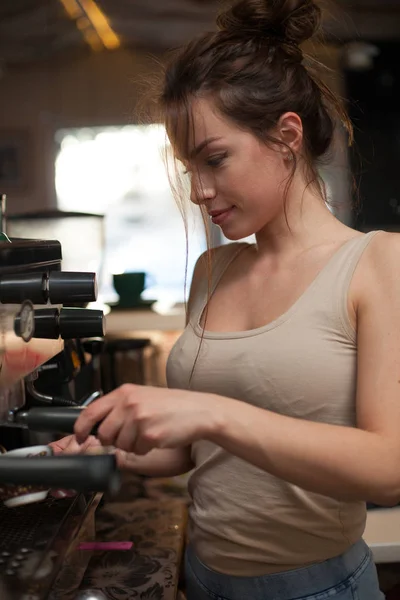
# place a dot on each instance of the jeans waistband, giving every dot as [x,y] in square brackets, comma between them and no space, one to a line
[303,581]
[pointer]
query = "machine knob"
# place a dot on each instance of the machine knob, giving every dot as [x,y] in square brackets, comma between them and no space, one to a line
[66,287]
[68,323]
[81,323]
[56,287]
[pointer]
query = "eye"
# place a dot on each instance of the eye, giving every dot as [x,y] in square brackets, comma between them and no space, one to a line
[216,161]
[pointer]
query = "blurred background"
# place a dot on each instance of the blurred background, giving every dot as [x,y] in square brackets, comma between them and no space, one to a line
[76,163]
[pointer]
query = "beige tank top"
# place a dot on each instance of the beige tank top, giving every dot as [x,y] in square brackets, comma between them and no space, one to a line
[242,520]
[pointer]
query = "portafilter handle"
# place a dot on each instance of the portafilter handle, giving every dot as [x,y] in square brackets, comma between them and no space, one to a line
[78,472]
[49,418]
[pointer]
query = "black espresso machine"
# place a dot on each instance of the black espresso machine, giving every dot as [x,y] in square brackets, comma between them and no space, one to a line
[45,337]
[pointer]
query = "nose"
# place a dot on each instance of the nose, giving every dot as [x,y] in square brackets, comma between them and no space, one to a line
[201,189]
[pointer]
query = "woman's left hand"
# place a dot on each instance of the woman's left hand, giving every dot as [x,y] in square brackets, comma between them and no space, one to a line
[139,418]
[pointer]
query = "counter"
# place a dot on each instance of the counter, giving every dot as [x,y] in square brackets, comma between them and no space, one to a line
[382,534]
[121,321]
[152,515]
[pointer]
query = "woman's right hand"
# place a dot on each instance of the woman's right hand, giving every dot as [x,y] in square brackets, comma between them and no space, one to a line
[69,445]
[157,463]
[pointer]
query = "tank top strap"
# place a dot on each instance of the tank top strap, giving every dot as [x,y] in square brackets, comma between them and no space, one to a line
[335,279]
[221,258]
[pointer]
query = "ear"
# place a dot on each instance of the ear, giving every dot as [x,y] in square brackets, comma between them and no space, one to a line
[290,130]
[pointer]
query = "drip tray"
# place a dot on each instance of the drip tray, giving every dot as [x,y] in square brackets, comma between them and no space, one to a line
[29,526]
[33,542]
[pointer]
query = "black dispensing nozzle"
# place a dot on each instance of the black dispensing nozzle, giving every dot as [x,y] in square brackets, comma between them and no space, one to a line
[65,287]
[67,323]
[55,287]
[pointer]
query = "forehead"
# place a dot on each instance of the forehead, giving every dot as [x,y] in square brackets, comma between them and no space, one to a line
[207,121]
[194,124]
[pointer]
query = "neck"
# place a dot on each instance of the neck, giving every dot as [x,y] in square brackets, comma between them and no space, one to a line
[307,222]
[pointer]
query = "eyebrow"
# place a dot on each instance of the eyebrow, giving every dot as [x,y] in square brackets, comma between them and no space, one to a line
[202,145]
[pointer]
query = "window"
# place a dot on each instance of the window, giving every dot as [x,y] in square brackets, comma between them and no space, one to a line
[120,172]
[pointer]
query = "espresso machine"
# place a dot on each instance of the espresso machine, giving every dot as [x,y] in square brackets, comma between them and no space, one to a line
[45,336]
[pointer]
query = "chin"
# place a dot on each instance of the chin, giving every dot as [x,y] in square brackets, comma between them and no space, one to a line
[235,236]
[232,236]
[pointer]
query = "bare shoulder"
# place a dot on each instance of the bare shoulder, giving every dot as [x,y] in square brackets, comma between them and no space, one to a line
[208,258]
[384,246]
[204,266]
[378,272]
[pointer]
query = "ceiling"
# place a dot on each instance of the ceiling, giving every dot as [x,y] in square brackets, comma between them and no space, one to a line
[35,30]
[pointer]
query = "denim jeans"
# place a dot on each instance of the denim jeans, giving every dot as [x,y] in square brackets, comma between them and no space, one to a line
[351,576]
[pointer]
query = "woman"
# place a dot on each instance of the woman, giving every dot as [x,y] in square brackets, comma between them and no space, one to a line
[284,387]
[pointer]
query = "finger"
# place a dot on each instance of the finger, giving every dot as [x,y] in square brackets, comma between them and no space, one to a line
[69,445]
[127,436]
[143,445]
[75,448]
[95,413]
[122,458]
[60,445]
[111,426]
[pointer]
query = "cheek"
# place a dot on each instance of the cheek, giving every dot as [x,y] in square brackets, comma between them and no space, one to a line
[266,168]
[256,179]
[264,185]
[273,178]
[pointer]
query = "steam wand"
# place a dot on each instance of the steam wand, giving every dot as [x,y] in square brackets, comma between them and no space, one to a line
[57,400]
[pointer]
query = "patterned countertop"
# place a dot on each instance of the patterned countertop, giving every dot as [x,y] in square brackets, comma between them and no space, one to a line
[152,515]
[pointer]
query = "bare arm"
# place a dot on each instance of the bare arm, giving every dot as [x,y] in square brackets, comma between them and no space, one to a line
[157,463]
[347,463]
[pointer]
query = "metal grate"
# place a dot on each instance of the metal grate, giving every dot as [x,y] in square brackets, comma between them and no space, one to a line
[30,526]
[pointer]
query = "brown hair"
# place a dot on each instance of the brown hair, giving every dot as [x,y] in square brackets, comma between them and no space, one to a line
[254,70]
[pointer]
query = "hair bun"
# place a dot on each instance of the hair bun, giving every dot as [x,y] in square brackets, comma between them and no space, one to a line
[293,21]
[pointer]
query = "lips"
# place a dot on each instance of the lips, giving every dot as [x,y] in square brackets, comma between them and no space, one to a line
[216,213]
[218,216]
